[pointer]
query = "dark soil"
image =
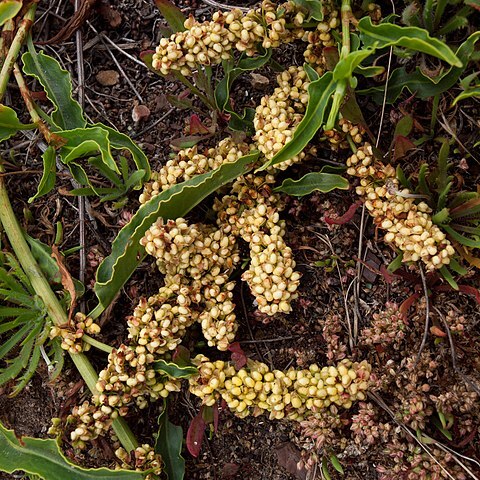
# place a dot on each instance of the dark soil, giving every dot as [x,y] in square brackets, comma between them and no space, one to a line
[247,449]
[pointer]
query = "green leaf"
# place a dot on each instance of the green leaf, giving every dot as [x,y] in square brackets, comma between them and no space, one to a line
[44,458]
[345,67]
[324,182]
[174,370]
[319,92]
[9,123]
[468,242]
[47,182]
[28,374]
[67,113]
[313,7]
[172,14]
[43,255]
[325,472]
[175,202]
[421,85]
[371,71]
[16,338]
[82,142]
[457,268]
[168,444]
[404,126]
[9,9]
[336,464]
[414,38]
[120,141]
[441,217]
[448,277]
[396,263]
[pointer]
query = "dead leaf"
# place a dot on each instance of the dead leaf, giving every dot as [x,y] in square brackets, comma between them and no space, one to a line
[239,358]
[259,81]
[73,24]
[107,78]
[289,457]
[229,470]
[66,278]
[438,332]
[140,112]
[110,15]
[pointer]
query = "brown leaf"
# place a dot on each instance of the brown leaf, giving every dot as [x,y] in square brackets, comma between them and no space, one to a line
[140,112]
[229,470]
[73,24]
[110,15]
[195,433]
[438,332]
[66,278]
[239,358]
[107,78]
[288,458]
[259,82]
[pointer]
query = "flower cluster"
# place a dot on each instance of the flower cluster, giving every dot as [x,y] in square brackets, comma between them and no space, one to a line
[409,225]
[72,335]
[251,212]
[210,42]
[366,427]
[293,394]
[189,163]
[278,115]
[143,458]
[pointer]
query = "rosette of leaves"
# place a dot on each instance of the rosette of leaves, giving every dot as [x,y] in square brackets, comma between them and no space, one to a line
[24,327]
[457,213]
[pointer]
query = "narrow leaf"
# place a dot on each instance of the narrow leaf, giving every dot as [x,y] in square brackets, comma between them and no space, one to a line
[319,92]
[44,458]
[67,113]
[169,445]
[195,434]
[414,38]
[175,202]
[324,182]
[47,182]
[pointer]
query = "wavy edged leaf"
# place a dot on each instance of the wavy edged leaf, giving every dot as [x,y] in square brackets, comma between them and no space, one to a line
[9,9]
[168,444]
[174,370]
[345,67]
[421,85]
[313,7]
[324,182]
[44,458]
[175,202]
[49,175]
[319,95]
[414,38]
[56,81]
[10,124]
[172,14]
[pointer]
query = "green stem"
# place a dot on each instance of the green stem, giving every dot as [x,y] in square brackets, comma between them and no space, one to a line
[194,90]
[14,49]
[346,13]
[97,344]
[6,39]
[53,306]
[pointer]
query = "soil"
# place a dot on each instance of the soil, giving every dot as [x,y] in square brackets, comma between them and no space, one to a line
[253,448]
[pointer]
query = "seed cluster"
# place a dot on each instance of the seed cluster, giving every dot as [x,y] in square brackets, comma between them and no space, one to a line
[210,42]
[189,162]
[293,394]
[144,458]
[72,335]
[197,261]
[251,212]
[409,225]
[278,115]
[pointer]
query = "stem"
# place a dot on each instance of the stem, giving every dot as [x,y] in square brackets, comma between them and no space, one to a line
[97,344]
[31,107]
[14,49]
[194,90]
[54,308]
[346,12]
[6,39]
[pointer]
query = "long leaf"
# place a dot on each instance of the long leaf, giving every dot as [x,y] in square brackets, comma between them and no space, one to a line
[28,374]
[14,340]
[324,182]
[468,242]
[414,38]
[47,182]
[319,93]
[44,458]
[56,81]
[416,82]
[175,202]
[9,123]
[169,444]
